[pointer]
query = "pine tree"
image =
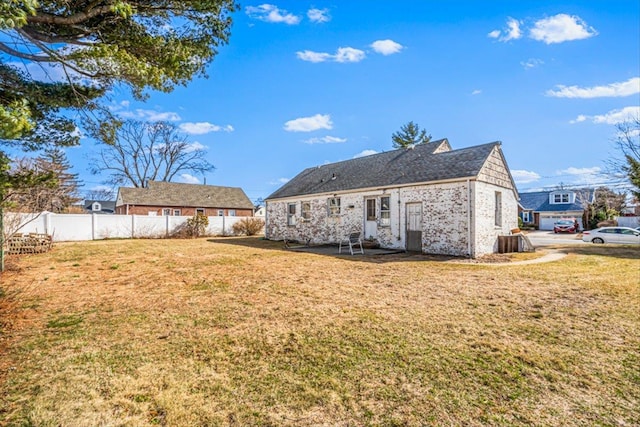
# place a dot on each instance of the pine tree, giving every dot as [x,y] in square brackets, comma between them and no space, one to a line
[409,135]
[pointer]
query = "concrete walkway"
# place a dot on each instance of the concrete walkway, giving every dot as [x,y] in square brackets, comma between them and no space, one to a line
[549,257]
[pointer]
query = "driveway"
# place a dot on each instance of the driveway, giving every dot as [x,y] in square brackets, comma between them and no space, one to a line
[541,238]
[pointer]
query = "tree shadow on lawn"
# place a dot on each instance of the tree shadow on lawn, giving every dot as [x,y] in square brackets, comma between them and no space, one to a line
[382,256]
[609,250]
[377,255]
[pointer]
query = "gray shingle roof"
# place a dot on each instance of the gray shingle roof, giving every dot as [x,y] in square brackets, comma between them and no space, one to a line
[397,167]
[177,194]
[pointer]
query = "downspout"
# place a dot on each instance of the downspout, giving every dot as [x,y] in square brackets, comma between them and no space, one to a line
[469,217]
[399,219]
[266,220]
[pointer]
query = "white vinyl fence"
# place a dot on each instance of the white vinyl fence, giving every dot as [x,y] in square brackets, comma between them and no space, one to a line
[68,227]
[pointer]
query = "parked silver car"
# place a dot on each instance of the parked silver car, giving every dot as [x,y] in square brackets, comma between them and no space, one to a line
[624,235]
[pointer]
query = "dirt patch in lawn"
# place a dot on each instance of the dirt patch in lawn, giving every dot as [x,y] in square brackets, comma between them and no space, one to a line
[241,332]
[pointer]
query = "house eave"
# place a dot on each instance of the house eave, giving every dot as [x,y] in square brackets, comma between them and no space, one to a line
[372,189]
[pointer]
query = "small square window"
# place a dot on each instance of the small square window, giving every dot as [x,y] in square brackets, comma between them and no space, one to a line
[220,212]
[200,211]
[232,212]
[177,212]
[166,212]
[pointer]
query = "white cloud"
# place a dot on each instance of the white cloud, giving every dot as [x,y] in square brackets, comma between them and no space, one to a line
[561,28]
[311,56]
[512,32]
[343,54]
[386,47]
[580,118]
[280,181]
[271,13]
[531,63]
[194,146]
[582,176]
[318,15]
[189,179]
[476,92]
[326,140]
[630,87]
[150,115]
[200,128]
[309,124]
[524,177]
[613,117]
[365,153]
[349,54]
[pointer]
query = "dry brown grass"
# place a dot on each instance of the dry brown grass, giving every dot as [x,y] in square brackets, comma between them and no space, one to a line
[238,331]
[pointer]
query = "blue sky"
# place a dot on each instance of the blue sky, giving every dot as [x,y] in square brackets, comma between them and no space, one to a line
[308,83]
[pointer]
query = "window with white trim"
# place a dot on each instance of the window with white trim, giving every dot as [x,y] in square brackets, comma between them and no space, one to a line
[232,212]
[333,206]
[200,211]
[498,209]
[220,212]
[305,211]
[385,211]
[177,212]
[291,214]
[96,207]
[526,216]
[561,198]
[166,212]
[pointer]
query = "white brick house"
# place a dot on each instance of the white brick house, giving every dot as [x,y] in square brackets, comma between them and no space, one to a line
[428,198]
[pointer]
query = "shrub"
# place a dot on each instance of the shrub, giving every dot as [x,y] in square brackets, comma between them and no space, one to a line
[196,225]
[248,226]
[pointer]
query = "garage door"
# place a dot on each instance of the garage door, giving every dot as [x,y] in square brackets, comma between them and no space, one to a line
[546,223]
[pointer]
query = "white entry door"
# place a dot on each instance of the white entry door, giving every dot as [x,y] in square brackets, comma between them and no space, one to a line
[371,219]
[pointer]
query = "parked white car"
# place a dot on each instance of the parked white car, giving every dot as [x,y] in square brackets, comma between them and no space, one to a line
[624,235]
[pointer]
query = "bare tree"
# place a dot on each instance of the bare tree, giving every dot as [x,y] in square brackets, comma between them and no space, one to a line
[144,151]
[627,143]
[100,194]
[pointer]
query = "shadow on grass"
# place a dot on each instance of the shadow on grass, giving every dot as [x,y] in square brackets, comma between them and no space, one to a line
[608,250]
[377,256]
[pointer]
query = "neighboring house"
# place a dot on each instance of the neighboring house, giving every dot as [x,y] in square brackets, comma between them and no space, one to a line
[99,206]
[427,198]
[260,212]
[170,198]
[542,208]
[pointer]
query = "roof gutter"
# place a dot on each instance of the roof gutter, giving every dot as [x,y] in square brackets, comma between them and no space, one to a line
[368,189]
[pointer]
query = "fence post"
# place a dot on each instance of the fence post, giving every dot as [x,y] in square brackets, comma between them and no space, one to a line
[94,220]
[133,226]
[167,226]
[47,223]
